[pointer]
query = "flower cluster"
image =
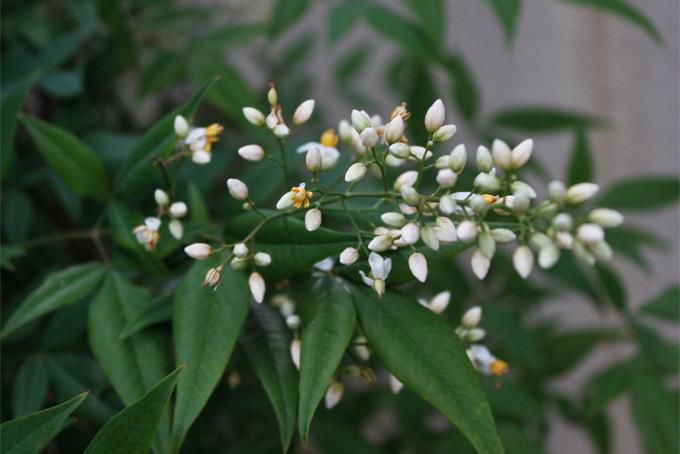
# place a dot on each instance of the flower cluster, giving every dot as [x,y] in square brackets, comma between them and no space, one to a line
[148,233]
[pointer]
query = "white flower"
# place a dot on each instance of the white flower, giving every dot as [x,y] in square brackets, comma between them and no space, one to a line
[444,133]
[502,154]
[161,197]
[420,153]
[240,250]
[408,178]
[447,204]
[484,362]
[434,117]
[333,394]
[345,130]
[262,259]
[503,235]
[254,116]
[237,189]
[393,219]
[438,303]
[410,195]
[606,218]
[380,243]
[286,201]
[446,178]
[293,321]
[601,250]
[178,210]
[487,244]
[480,263]
[395,384]
[581,192]
[410,233]
[360,120]
[201,157]
[548,256]
[212,278]
[257,286]
[471,317]
[251,152]
[295,352]
[417,263]
[521,153]
[484,159]
[313,159]
[583,254]
[557,191]
[467,231]
[590,233]
[487,182]
[325,264]
[523,261]
[281,131]
[238,264]
[564,240]
[272,120]
[457,158]
[147,233]
[394,130]
[349,256]
[313,219]
[445,230]
[522,188]
[176,229]
[355,172]
[429,237]
[380,270]
[400,150]
[198,251]
[369,137]
[272,95]
[303,112]
[563,221]
[181,126]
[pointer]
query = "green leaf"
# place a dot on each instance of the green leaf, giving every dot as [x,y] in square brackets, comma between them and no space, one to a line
[59,289]
[581,164]
[624,10]
[138,169]
[284,14]
[524,348]
[155,313]
[132,430]
[75,163]
[607,386]
[655,350]
[165,70]
[17,216]
[432,15]
[293,249]
[642,193]
[512,402]
[30,387]
[229,35]
[341,19]
[654,415]
[564,350]
[465,91]
[409,36]
[507,12]
[542,120]
[631,242]
[266,340]
[423,352]
[12,99]
[31,433]
[613,287]
[198,210]
[62,83]
[665,305]
[329,318]
[206,324]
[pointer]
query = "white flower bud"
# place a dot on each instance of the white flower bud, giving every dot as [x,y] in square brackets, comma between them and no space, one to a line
[429,237]
[503,235]
[237,189]
[349,256]
[583,254]
[262,259]
[313,159]
[394,130]
[254,116]
[484,160]
[334,394]
[293,321]
[519,202]
[434,117]
[444,133]
[420,153]
[557,191]
[477,204]
[360,120]
[238,264]
[345,131]
[480,264]
[487,182]
[409,234]
[548,256]
[445,230]
[606,218]
[369,137]
[440,302]
[176,229]
[201,157]
[272,95]
[303,112]
[251,152]
[475,335]
[393,219]
[313,219]
[410,195]
[400,150]
[467,231]
[446,178]
[520,187]
[417,263]
[161,197]
[213,277]
[487,244]
[539,240]
[458,157]
[408,178]
[281,131]
[590,233]
[563,221]
[447,204]
[472,317]
[295,352]
[395,384]
[502,154]
[581,192]
[564,240]
[286,201]
[181,126]
[443,162]
[379,287]
[380,243]
[257,286]
[178,210]
[521,153]
[272,120]
[602,250]
[523,261]
[355,172]
[240,250]
[198,251]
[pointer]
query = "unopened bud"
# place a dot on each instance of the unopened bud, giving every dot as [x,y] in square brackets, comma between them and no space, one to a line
[484,160]
[349,256]
[523,261]
[434,117]
[446,178]
[410,195]
[369,137]
[313,219]
[237,189]
[581,192]
[257,286]
[303,112]
[254,116]
[472,317]
[251,152]
[606,218]
[360,120]
[458,157]
[355,172]
[444,133]
[181,126]
[262,259]
[161,197]
[394,130]
[417,263]
[198,251]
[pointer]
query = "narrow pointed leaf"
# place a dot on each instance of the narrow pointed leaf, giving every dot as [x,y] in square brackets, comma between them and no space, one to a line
[31,433]
[581,164]
[132,430]
[30,387]
[665,306]
[424,353]
[266,340]
[59,289]
[642,193]
[11,101]
[329,319]
[507,12]
[206,325]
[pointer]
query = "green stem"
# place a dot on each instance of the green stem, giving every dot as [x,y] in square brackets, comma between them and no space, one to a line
[284,162]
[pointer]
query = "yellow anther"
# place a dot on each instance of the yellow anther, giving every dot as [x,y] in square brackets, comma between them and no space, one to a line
[301,196]
[489,199]
[499,367]
[329,138]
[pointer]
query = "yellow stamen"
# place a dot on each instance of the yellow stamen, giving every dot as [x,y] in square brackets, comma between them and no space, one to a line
[212,131]
[489,199]
[401,110]
[329,138]
[499,367]
[301,197]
